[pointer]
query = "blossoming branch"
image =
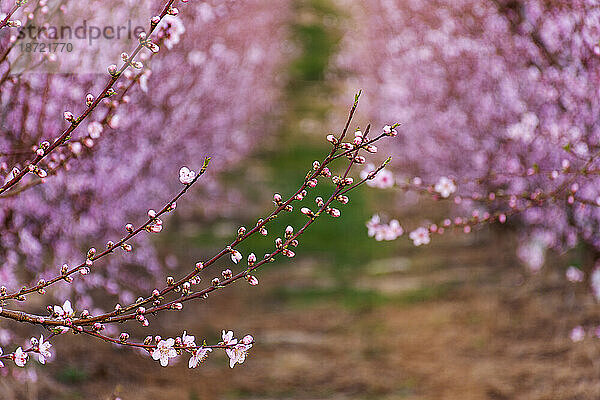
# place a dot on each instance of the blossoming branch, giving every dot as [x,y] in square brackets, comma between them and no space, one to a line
[63,319]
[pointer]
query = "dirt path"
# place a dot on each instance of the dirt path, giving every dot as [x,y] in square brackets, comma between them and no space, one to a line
[467,328]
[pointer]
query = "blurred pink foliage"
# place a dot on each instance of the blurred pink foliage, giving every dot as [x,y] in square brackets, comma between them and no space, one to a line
[207,91]
[501,96]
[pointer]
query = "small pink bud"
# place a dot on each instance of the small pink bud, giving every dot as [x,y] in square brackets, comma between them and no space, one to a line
[343,199]
[112,69]
[248,339]
[288,253]
[69,117]
[252,280]
[389,131]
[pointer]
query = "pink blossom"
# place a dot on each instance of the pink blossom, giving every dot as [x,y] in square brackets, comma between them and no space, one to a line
[577,334]
[164,350]
[186,176]
[20,357]
[574,274]
[595,282]
[187,340]
[198,356]
[228,338]
[66,311]
[237,354]
[445,187]
[380,231]
[155,226]
[420,236]
[383,180]
[44,350]
[95,129]
[236,256]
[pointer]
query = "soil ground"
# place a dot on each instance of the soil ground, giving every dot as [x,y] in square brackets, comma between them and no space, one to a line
[457,320]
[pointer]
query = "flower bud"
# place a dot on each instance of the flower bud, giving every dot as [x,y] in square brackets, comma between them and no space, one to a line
[334,212]
[69,117]
[252,280]
[289,231]
[112,69]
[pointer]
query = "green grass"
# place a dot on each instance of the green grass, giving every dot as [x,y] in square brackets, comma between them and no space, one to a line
[72,375]
[359,299]
[340,244]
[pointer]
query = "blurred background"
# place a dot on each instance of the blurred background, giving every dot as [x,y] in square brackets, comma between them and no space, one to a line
[348,317]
